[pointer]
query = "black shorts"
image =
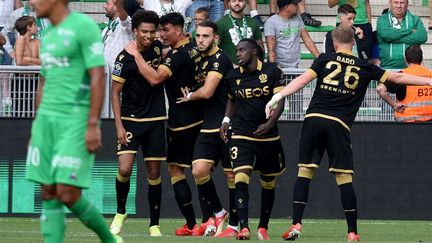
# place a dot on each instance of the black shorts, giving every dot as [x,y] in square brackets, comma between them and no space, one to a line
[149,135]
[320,134]
[268,156]
[181,145]
[210,148]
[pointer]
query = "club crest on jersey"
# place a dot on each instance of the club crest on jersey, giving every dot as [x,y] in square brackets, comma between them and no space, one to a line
[204,64]
[216,65]
[193,53]
[263,78]
[157,50]
[238,81]
[117,68]
[167,61]
[155,63]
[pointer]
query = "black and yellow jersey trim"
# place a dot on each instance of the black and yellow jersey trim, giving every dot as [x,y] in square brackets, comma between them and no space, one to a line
[384,77]
[159,118]
[278,89]
[166,68]
[328,117]
[209,130]
[186,127]
[255,139]
[154,158]
[259,66]
[312,72]
[118,79]
[215,74]
[127,152]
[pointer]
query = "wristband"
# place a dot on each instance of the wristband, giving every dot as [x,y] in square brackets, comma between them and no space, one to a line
[277,97]
[226,120]
[189,96]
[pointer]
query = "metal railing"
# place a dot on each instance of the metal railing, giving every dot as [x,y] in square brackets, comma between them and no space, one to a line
[18,86]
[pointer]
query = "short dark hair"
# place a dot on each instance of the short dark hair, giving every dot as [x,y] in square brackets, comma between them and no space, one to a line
[346,9]
[143,16]
[210,24]
[23,22]
[414,54]
[283,3]
[174,18]
[254,45]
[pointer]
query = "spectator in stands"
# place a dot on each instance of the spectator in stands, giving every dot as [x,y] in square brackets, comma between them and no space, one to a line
[361,48]
[200,15]
[118,31]
[236,26]
[26,48]
[253,11]
[413,103]
[397,30]
[115,36]
[363,18]
[283,32]
[306,17]
[215,10]
[6,8]
[9,29]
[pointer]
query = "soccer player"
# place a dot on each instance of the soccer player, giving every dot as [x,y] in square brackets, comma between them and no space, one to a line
[342,81]
[139,117]
[209,147]
[253,136]
[66,133]
[184,119]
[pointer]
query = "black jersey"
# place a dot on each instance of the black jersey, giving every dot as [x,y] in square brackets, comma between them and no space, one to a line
[180,65]
[251,92]
[216,63]
[140,100]
[342,81]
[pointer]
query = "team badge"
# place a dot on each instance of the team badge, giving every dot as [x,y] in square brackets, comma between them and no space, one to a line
[157,50]
[121,57]
[204,65]
[238,81]
[193,53]
[117,68]
[155,63]
[263,78]
[216,65]
[167,61]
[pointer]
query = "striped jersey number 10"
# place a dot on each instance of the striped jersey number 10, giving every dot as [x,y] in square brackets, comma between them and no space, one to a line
[350,73]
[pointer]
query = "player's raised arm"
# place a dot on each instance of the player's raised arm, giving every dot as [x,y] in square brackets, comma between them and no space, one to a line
[294,86]
[154,77]
[403,78]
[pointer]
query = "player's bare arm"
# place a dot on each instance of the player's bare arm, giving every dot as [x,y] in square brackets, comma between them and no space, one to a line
[403,78]
[263,129]
[93,138]
[271,45]
[154,77]
[203,93]
[229,112]
[294,86]
[116,104]
[382,92]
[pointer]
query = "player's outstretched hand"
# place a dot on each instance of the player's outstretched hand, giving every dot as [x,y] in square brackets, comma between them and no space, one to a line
[263,129]
[186,95]
[272,104]
[93,138]
[399,107]
[132,48]
[223,131]
[122,136]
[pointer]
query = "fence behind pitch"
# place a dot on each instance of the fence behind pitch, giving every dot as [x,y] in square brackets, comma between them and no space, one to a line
[18,85]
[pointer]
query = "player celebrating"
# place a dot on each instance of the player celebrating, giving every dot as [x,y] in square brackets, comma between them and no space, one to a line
[139,117]
[253,136]
[209,148]
[185,119]
[342,81]
[66,133]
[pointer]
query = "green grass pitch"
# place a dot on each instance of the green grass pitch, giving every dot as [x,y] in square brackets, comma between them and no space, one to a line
[17,230]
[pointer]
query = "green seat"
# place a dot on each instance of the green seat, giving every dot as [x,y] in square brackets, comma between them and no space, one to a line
[322,28]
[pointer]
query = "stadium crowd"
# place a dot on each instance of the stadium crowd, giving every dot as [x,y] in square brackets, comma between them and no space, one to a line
[219,78]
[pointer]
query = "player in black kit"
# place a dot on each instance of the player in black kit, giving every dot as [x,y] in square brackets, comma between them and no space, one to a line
[253,136]
[342,81]
[139,118]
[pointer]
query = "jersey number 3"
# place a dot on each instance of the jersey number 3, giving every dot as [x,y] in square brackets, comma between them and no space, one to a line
[351,77]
